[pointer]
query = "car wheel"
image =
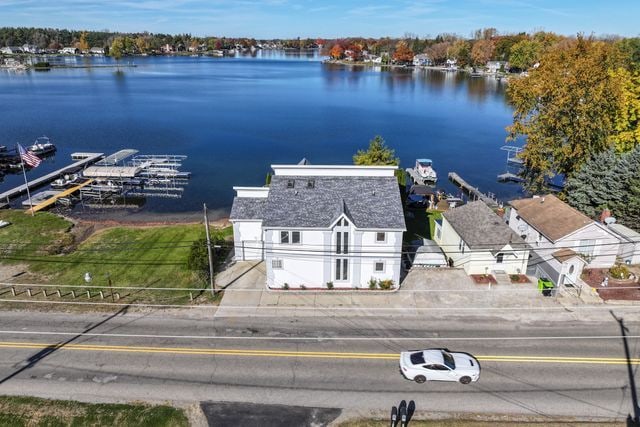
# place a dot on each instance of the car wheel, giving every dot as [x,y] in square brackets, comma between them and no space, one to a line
[420,379]
[465,380]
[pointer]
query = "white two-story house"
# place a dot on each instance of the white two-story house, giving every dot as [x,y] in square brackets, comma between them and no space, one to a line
[317,224]
[563,239]
[476,239]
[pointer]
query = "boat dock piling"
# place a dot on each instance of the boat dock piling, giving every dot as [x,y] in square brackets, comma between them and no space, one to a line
[17,191]
[472,191]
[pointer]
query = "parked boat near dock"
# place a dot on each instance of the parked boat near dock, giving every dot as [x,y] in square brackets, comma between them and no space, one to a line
[42,146]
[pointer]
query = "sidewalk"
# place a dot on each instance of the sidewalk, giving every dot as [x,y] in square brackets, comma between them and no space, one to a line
[424,292]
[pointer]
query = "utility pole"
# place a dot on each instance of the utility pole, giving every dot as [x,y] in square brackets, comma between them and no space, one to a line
[632,384]
[209,251]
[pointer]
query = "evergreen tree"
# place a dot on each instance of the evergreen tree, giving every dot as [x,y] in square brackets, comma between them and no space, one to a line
[608,180]
[595,186]
[377,154]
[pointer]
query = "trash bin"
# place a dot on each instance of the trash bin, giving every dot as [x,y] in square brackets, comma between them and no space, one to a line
[545,286]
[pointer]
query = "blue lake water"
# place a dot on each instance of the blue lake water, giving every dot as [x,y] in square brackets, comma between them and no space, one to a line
[233,117]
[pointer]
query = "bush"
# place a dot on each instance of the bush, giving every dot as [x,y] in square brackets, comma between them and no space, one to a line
[329,285]
[303,287]
[514,277]
[373,283]
[619,272]
[385,284]
[285,286]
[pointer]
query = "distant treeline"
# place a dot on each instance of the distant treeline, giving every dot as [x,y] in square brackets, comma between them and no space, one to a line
[521,50]
[144,42]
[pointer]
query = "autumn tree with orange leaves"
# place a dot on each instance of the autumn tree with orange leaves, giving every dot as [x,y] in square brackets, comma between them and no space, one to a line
[337,52]
[403,53]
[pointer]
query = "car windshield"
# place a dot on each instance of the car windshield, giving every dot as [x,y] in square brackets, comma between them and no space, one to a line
[417,358]
[448,360]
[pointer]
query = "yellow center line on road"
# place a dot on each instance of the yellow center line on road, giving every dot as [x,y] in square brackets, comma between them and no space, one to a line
[301,354]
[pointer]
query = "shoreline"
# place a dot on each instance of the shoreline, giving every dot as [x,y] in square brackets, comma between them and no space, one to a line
[219,217]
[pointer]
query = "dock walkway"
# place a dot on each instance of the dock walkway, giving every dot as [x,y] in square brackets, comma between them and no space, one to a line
[473,192]
[55,198]
[92,157]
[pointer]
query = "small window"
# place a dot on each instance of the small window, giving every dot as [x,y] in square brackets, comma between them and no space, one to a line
[379,266]
[499,258]
[276,264]
[381,237]
[291,183]
[295,237]
[572,269]
[284,237]
[438,233]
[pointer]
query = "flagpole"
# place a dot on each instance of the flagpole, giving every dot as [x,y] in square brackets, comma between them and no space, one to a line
[26,183]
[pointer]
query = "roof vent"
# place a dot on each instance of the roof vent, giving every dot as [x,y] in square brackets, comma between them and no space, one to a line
[291,183]
[311,183]
[609,220]
[542,200]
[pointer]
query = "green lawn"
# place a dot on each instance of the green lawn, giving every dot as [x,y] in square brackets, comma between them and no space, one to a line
[31,411]
[129,256]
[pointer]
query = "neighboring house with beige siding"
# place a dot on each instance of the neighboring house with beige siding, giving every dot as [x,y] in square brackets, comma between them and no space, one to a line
[475,238]
[563,239]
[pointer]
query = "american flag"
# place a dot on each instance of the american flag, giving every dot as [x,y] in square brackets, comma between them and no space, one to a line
[28,157]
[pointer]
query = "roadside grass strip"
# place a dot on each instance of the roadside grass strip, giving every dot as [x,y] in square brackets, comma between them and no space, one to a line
[304,354]
[33,411]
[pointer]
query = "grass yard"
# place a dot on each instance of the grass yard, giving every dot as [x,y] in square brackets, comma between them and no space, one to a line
[32,411]
[128,256]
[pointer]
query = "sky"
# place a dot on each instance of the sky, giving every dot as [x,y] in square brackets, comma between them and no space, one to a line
[263,19]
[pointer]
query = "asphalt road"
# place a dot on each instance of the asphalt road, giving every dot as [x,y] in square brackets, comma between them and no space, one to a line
[539,368]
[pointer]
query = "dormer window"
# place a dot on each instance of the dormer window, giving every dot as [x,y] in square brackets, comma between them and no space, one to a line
[291,183]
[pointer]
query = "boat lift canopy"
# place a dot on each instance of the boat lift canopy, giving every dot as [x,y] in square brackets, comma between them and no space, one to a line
[111,171]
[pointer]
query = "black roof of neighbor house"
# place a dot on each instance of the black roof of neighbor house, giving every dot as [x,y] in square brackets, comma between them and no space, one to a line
[248,208]
[318,201]
[481,228]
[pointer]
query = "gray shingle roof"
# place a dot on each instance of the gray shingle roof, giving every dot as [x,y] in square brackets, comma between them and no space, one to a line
[370,202]
[248,207]
[481,228]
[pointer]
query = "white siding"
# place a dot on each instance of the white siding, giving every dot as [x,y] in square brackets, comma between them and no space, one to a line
[605,244]
[247,240]
[312,263]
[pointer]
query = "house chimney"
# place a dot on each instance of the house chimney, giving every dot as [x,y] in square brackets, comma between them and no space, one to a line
[541,200]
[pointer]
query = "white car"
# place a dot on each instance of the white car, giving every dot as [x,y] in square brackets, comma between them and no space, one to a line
[439,364]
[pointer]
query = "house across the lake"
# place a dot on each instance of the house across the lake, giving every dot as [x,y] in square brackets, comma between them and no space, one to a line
[475,238]
[494,67]
[319,224]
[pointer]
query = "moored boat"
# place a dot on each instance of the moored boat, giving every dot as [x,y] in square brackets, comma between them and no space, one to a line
[42,146]
[66,181]
[424,168]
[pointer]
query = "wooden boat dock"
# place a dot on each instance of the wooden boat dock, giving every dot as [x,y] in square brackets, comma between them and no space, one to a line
[509,177]
[50,201]
[472,191]
[17,191]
